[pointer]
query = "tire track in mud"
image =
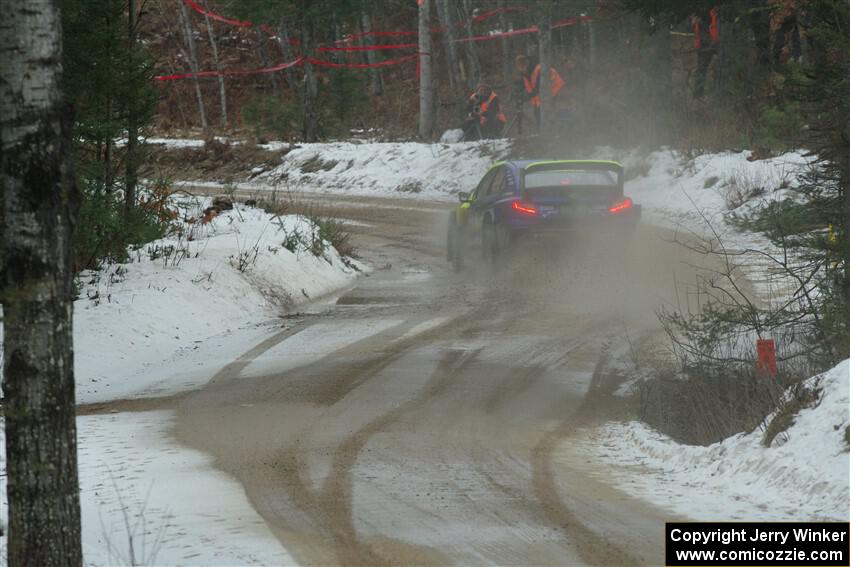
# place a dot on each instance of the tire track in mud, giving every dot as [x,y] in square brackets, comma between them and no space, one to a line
[332,507]
[594,548]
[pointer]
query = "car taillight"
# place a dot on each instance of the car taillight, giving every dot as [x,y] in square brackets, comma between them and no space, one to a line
[524,208]
[621,206]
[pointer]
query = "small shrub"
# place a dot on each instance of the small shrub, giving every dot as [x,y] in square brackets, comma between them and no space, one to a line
[412,186]
[245,259]
[332,231]
[270,117]
[710,182]
[798,397]
[703,406]
[293,241]
[741,189]
[316,164]
[106,231]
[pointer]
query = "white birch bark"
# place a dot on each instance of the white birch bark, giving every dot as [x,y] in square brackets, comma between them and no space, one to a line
[40,206]
[426,87]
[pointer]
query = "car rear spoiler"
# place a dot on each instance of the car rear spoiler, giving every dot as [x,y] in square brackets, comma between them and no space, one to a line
[555,165]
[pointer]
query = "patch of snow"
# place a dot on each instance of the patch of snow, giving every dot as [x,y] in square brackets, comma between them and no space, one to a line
[179,509]
[387,168]
[181,308]
[452,136]
[805,478]
[312,344]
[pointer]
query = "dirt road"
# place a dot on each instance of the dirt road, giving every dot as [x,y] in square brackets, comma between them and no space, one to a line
[425,417]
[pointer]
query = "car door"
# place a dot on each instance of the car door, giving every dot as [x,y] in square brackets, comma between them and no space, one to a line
[487,193]
[476,198]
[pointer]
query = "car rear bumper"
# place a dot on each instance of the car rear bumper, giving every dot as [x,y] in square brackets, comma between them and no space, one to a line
[543,226]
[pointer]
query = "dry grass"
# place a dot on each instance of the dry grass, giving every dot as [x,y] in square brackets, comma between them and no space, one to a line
[798,397]
[330,229]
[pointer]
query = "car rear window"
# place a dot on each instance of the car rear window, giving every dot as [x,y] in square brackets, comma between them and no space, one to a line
[570,177]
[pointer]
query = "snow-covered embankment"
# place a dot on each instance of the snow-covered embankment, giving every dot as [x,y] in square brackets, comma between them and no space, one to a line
[166,321]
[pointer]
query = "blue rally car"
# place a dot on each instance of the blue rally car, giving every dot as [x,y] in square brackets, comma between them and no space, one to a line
[523,198]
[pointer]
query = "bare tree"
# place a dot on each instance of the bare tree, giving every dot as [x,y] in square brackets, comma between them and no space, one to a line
[473,65]
[192,56]
[283,40]
[376,78]
[222,93]
[311,87]
[40,211]
[426,87]
[544,52]
[507,62]
[265,59]
[131,171]
[447,22]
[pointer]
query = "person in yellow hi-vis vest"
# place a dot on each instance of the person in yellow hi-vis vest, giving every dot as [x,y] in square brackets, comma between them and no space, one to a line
[530,83]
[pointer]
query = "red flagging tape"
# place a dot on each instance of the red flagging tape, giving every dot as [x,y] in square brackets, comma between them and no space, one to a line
[246,24]
[218,17]
[570,22]
[495,12]
[282,66]
[532,29]
[369,47]
[229,72]
[320,63]
[387,63]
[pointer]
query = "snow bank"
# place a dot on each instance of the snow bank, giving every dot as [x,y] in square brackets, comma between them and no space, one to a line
[186,305]
[805,478]
[387,168]
[676,191]
[179,509]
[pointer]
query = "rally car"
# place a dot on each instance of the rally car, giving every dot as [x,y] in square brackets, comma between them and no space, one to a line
[527,198]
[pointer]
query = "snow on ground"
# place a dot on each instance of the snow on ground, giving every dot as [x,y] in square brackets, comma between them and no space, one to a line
[136,486]
[429,171]
[167,321]
[183,308]
[181,510]
[676,191]
[805,478]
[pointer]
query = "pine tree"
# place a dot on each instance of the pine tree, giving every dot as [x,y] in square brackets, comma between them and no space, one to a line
[812,222]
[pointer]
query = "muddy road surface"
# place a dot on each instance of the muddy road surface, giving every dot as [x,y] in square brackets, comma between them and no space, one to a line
[424,417]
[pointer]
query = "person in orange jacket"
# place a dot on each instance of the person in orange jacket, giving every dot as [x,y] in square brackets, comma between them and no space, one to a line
[530,83]
[484,118]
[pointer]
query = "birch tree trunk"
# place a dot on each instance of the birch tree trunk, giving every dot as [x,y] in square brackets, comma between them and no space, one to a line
[222,93]
[426,87]
[473,65]
[376,77]
[447,22]
[193,59]
[40,210]
[507,62]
